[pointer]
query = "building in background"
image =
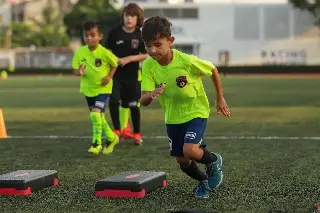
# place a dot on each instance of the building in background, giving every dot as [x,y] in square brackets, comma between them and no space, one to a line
[242,33]
[227,33]
[24,10]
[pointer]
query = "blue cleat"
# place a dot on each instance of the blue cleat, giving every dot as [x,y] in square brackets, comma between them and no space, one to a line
[214,172]
[202,190]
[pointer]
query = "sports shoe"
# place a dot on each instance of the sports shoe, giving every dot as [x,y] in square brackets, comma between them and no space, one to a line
[108,149]
[202,190]
[214,172]
[117,131]
[95,148]
[137,139]
[127,132]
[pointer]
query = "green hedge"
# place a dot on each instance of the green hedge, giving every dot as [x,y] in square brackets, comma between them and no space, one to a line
[224,70]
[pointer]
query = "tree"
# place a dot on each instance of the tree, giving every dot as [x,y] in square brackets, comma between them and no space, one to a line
[100,10]
[49,33]
[313,6]
[25,39]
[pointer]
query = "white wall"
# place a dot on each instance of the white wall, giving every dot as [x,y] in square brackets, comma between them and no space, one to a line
[217,30]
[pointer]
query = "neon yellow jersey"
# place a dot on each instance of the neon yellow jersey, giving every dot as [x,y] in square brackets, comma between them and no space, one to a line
[98,64]
[183,98]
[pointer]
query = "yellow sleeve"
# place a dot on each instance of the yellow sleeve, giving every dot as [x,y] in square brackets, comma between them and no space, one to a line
[112,59]
[76,61]
[200,67]
[147,82]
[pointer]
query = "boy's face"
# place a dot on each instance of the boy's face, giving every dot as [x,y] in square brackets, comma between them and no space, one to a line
[130,21]
[159,47]
[92,37]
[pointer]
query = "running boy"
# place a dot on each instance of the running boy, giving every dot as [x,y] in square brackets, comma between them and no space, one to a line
[96,65]
[175,79]
[126,43]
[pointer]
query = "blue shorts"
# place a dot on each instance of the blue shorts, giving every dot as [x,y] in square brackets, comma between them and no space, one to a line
[189,132]
[98,101]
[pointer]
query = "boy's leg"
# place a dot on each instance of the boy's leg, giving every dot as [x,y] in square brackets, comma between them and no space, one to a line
[194,148]
[112,138]
[124,112]
[124,122]
[135,109]
[176,134]
[114,105]
[131,97]
[110,135]
[95,117]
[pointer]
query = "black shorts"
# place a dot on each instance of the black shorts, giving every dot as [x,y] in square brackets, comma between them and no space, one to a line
[98,101]
[189,132]
[127,94]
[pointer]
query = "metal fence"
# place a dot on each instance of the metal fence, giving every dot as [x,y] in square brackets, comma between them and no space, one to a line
[39,58]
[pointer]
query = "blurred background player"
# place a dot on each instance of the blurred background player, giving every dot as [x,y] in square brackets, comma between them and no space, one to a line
[175,77]
[126,43]
[96,65]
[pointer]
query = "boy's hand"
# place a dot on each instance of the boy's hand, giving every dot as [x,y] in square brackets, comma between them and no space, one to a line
[124,61]
[222,106]
[105,80]
[81,69]
[157,92]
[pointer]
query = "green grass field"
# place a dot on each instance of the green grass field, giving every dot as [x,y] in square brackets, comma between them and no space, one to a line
[261,174]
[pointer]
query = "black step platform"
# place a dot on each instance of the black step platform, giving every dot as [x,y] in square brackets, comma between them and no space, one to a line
[24,182]
[130,184]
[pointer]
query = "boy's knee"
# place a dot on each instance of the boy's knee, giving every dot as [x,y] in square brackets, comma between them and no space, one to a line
[131,104]
[183,161]
[191,151]
[114,102]
[95,110]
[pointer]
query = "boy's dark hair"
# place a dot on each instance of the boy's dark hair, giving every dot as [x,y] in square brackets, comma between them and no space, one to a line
[88,25]
[133,9]
[156,27]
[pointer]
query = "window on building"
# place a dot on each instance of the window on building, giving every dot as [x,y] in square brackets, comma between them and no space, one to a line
[171,12]
[151,12]
[189,13]
[186,48]
[276,22]
[246,23]
[176,13]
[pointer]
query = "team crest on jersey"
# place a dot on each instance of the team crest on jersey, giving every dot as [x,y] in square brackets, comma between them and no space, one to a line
[181,81]
[98,62]
[135,43]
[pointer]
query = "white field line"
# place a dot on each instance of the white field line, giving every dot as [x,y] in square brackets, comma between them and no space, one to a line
[165,137]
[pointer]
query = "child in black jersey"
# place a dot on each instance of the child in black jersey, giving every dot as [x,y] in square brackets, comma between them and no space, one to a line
[126,43]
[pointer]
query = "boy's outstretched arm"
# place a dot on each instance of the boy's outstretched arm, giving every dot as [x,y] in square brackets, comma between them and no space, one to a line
[132,58]
[221,104]
[80,70]
[108,78]
[147,97]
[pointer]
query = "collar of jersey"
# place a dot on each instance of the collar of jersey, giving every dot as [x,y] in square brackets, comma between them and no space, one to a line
[173,60]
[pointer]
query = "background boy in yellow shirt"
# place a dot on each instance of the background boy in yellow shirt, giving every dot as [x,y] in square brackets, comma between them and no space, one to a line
[96,66]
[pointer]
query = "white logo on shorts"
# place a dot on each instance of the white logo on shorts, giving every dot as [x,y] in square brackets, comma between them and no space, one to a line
[190,135]
[99,104]
[133,104]
[119,42]
[170,144]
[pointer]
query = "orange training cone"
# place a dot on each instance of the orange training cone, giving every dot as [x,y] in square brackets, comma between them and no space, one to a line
[3,131]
